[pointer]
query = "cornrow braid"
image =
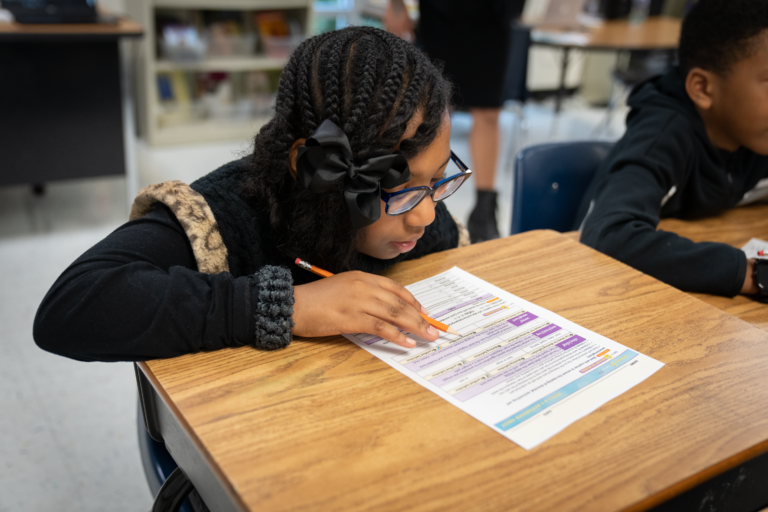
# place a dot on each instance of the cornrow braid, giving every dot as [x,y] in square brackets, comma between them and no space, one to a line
[368,82]
[391,92]
[304,56]
[331,59]
[358,101]
[408,102]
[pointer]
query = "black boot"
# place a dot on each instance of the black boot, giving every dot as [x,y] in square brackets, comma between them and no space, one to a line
[482,220]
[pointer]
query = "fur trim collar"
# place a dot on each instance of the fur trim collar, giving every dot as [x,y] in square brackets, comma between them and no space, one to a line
[195,216]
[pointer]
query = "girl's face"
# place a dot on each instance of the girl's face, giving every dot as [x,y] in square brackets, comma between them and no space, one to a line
[390,236]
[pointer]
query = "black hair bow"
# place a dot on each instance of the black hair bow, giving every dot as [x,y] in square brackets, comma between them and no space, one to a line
[325,161]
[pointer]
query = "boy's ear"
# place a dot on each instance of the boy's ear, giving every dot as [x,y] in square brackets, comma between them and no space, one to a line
[699,84]
[293,154]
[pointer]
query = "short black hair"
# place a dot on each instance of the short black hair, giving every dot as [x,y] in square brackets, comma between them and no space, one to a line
[369,83]
[718,33]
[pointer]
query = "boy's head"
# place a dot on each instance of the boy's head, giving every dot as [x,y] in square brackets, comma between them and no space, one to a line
[723,56]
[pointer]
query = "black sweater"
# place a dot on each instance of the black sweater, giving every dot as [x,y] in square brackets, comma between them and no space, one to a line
[137,294]
[665,166]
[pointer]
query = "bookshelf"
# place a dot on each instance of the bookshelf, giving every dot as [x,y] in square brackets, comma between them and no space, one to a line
[221,85]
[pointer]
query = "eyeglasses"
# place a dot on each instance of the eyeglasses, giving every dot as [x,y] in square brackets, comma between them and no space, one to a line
[402,201]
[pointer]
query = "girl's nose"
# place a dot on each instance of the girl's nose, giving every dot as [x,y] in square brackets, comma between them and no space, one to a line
[422,215]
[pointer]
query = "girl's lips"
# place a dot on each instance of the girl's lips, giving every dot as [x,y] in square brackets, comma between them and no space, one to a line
[405,246]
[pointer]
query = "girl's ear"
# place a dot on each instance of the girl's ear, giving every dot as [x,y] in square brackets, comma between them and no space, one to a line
[292,155]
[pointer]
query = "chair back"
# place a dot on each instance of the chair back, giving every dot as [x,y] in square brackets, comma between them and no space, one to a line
[550,181]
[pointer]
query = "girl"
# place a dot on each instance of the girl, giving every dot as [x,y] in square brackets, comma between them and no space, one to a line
[347,175]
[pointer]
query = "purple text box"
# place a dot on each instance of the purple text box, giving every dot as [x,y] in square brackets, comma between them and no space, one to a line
[570,342]
[522,319]
[546,331]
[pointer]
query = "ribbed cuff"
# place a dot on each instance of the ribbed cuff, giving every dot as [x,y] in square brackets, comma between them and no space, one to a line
[272,308]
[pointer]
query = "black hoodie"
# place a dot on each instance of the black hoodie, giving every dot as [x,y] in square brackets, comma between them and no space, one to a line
[665,166]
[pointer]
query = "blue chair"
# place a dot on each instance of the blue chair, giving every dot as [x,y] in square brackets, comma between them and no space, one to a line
[167,482]
[550,180]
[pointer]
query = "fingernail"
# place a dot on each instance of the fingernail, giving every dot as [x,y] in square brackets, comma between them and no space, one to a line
[424,311]
[410,342]
[432,331]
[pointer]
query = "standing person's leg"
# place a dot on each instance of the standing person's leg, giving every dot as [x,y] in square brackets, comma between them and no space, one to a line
[484,148]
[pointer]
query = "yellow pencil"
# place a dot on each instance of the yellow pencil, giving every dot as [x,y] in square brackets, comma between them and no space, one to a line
[324,273]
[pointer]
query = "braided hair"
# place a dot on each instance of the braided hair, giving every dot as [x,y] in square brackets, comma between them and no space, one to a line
[368,82]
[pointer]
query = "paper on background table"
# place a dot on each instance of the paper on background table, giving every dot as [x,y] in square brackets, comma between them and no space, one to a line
[753,246]
[524,371]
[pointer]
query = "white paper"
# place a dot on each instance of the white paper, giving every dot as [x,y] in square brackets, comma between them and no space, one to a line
[755,245]
[522,370]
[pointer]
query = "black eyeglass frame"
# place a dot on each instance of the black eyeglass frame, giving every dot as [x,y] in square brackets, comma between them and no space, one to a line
[465,171]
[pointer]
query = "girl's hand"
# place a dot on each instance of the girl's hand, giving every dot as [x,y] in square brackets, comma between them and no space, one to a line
[353,302]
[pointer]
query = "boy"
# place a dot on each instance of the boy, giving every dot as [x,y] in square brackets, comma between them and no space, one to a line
[696,143]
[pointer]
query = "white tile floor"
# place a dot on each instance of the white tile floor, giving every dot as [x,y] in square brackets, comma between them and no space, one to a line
[68,429]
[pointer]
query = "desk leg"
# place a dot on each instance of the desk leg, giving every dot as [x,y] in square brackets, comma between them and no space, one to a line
[127,68]
[561,87]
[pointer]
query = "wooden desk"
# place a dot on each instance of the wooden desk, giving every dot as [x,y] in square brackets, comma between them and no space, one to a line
[62,101]
[733,227]
[22,32]
[656,33]
[323,425]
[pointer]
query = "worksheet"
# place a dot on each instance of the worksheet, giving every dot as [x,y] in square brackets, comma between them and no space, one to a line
[520,369]
[756,248]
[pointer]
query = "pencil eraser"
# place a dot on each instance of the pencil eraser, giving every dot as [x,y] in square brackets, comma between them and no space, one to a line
[297,260]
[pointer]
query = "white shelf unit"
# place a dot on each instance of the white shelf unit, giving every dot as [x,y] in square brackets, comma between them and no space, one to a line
[149,64]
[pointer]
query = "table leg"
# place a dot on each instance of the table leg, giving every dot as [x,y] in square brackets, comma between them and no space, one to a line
[561,87]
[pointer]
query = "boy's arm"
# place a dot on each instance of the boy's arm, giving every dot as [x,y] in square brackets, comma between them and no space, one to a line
[623,219]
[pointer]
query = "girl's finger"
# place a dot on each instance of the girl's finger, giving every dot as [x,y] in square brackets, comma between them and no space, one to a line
[396,311]
[400,290]
[389,332]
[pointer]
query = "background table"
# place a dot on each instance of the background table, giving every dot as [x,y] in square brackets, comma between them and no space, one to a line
[61,101]
[656,33]
[324,425]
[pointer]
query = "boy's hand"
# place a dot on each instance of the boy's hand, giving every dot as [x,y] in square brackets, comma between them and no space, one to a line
[750,286]
[353,302]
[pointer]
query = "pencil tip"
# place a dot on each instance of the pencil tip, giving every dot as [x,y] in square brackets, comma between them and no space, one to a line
[451,330]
